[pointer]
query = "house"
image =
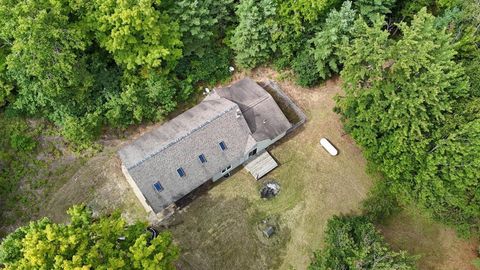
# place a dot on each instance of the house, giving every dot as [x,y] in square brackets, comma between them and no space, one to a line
[230,127]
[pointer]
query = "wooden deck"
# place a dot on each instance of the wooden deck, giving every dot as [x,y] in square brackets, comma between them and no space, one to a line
[261,165]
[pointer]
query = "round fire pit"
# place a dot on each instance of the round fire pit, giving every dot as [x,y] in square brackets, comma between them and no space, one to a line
[269,189]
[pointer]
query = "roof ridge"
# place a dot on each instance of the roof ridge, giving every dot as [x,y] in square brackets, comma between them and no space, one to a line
[176,140]
[257,101]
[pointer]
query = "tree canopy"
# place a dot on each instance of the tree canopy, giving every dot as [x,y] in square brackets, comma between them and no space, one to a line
[400,98]
[252,39]
[136,33]
[354,243]
[409,70]
[87,243]
[85,65]
[336,31]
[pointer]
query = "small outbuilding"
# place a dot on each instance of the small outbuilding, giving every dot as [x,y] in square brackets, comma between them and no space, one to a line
[269,231]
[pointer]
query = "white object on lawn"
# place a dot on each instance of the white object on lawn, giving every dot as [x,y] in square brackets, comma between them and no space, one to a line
[329,147]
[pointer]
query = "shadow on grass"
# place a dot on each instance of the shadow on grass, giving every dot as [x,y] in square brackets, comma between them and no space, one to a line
[437,245]
[225,233]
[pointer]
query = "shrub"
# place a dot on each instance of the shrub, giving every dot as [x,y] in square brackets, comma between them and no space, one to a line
[354,243]
[81,132]
[21,142]
[305,69]
[381,203]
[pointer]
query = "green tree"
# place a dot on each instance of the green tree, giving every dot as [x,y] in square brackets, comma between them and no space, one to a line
[448,183]
[295,24]
[463,22]
[44,59]
[369,9]
[137,33]
[66,61]
[141,99]
[252,39]
[87,243]
[336,31]
[323,48]
[204,26]
[400,97]
[353,243]
[5,86]
[381,203]
[202,23]
[300,13]
[307,74]
[406,9]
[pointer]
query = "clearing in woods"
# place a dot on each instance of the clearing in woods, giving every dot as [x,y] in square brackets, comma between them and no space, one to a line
[221,227]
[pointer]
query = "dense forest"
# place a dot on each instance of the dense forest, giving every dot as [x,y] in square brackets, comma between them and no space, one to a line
[410,71]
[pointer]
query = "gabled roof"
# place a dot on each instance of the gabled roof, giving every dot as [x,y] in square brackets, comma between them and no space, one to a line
[171,132]
[239,115]
[157,155]
[264,118]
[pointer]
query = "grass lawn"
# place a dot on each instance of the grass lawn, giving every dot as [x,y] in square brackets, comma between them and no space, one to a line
[438,246]
[222,228]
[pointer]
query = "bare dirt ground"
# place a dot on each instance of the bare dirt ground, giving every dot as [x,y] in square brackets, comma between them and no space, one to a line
[221,228]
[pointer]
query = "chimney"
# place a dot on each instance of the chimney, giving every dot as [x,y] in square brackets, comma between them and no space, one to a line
[239,113]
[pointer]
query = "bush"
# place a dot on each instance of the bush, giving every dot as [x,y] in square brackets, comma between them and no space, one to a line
[81,132]
[305,69]
[381,203]
[18,150]
[22,142]
[211,68]
[354,243]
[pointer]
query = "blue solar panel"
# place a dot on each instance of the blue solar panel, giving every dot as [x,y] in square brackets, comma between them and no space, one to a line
[223,145]
[181,172]
[202,158]
[157,186]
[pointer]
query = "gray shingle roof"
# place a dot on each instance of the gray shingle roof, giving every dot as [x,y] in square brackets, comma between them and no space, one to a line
[264,118]
[240,115]
[157,155]
[174,131]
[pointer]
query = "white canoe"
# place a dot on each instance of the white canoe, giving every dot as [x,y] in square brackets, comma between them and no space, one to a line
[329,147]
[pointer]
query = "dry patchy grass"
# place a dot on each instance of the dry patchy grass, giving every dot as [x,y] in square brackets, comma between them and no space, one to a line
[221,229]
[100,184]
[438,247]
[314,187]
